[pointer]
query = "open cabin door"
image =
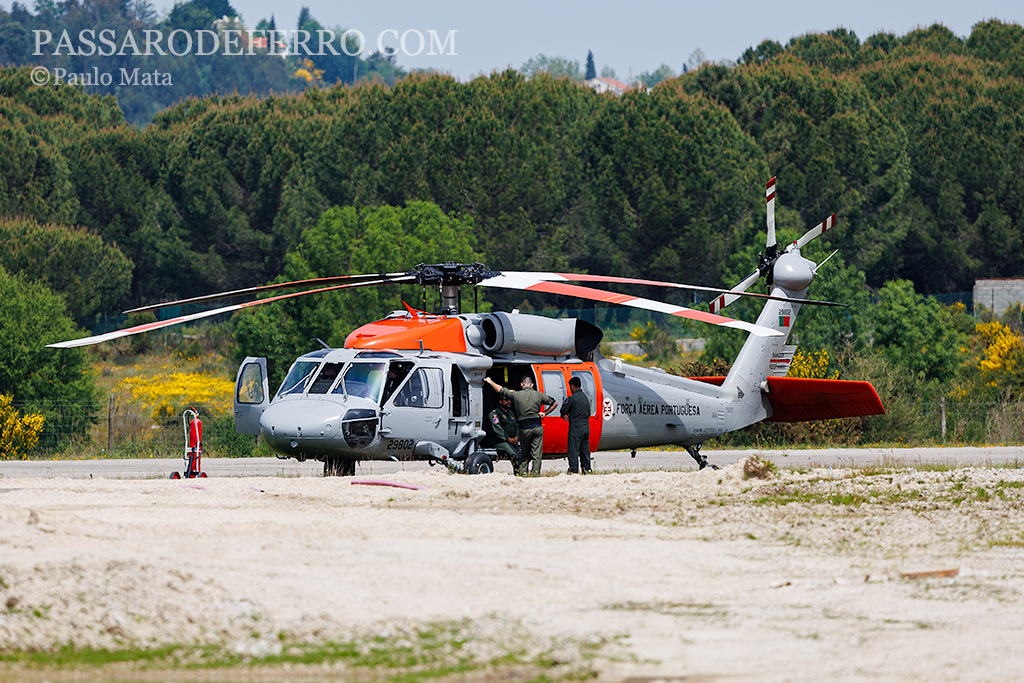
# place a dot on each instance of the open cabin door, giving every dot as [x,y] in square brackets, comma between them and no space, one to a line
[252,395]
[554,381]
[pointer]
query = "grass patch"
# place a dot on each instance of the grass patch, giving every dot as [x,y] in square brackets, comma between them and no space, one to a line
[787,495]
[438,651]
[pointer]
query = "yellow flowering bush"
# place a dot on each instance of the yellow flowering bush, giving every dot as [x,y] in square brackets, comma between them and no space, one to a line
[657,343]
[811,365]
[167,394]
[1003,350]
[19,434]
[310,73]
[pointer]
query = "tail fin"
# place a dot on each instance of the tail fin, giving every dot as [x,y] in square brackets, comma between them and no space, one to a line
[764,357]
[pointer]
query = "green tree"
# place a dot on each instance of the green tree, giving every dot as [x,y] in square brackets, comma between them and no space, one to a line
[653,78]
[766,51]
[56,383]
[93,277]
[591,69]
[674,184]
[916,333]
[198,14]
[559,67]
[836,49]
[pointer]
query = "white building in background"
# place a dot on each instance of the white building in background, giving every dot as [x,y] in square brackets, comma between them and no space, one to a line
[603,85]
[999,294]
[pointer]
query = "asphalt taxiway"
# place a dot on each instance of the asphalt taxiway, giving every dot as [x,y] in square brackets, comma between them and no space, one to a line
[621,461]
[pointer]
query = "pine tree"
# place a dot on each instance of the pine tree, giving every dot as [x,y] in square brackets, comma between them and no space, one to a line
[591,69]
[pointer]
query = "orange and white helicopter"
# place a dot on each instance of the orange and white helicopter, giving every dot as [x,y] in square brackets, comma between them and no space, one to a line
[411,386]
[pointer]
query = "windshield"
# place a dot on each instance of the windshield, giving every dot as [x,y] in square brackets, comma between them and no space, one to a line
[324,380]
[363,379]
[298,377]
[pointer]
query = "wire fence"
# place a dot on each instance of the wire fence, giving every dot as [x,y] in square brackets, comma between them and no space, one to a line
[120,429]
[973,422]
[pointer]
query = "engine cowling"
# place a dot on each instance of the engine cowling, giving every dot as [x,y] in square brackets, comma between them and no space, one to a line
[505,333]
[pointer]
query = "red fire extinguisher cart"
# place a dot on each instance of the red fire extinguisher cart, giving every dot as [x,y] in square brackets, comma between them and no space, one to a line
[193,445]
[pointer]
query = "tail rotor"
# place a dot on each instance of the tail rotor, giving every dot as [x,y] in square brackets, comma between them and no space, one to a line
[766,261]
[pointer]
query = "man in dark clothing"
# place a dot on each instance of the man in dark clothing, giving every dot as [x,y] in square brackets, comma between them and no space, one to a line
[576,410]
[505,431]
[528,403]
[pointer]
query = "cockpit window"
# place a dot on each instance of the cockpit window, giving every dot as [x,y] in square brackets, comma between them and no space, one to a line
[298,377]
[363,379]
[425,389]
[324,380]
[397,372]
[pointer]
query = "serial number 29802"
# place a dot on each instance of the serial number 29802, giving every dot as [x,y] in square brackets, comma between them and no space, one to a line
[400,444]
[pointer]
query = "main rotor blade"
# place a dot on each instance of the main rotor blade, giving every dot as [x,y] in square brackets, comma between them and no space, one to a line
[160,324]
[565,289]
[379,278]
[769,194]
[583,277]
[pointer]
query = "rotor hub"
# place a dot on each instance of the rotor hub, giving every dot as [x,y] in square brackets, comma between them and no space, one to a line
[451,273]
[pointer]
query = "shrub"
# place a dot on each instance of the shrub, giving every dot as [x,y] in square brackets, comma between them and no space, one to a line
[19,433]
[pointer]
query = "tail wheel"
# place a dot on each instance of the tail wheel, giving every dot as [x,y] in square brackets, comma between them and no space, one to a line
[175,475]
[480,463]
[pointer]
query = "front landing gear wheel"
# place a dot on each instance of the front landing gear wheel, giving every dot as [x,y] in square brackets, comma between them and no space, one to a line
[175,475]
[339,467]
[479,463]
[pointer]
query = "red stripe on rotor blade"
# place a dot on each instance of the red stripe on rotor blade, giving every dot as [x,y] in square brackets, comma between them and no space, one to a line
[581,292]
[703,316]
[770,197]
[611,297]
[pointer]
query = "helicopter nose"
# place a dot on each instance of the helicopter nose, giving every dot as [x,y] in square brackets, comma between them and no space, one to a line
[289,426]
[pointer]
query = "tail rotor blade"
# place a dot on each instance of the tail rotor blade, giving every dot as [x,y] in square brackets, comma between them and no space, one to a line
[821,227]
[772,253]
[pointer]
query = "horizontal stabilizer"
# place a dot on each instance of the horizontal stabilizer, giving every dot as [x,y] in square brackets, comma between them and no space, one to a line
[797,399]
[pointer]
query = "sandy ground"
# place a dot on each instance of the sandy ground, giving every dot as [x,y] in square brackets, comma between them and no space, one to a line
[681,575]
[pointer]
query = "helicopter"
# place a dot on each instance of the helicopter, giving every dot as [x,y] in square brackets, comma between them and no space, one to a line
[410,386]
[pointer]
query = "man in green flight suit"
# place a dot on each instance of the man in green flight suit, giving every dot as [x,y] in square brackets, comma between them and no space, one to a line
[576,409]
[505,431]
[528,403]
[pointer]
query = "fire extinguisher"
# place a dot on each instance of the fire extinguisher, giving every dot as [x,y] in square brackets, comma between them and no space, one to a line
[193,445]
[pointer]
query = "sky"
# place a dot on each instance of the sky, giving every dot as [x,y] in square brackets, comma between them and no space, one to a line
[630,37]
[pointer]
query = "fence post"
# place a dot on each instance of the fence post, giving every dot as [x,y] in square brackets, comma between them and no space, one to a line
[942,413]
[110,425]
